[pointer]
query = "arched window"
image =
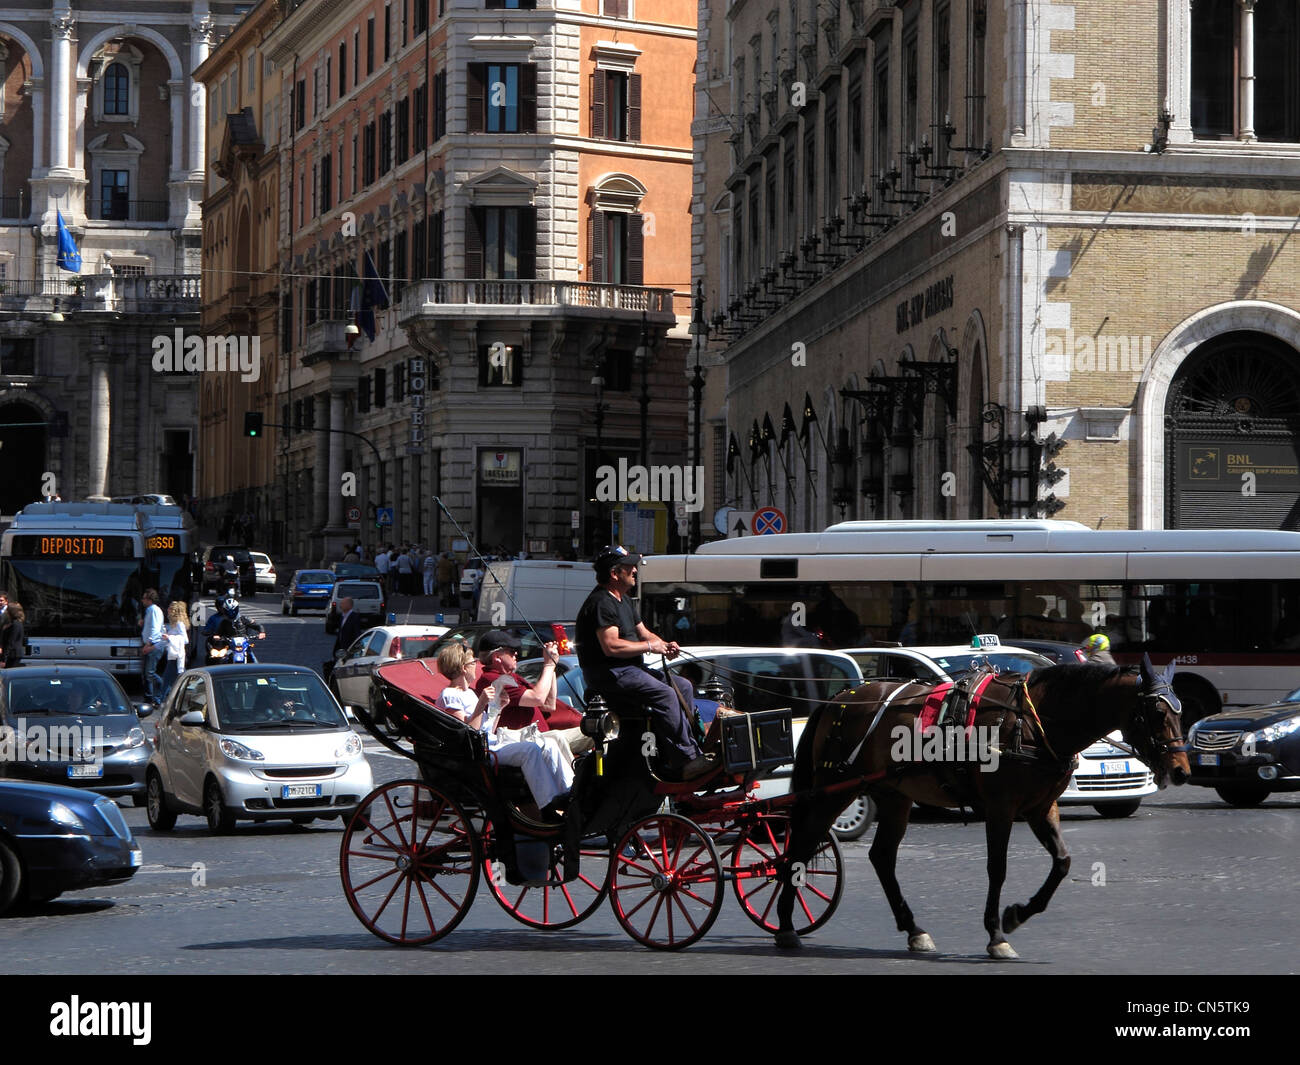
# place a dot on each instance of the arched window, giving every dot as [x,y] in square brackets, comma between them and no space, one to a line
[117,90]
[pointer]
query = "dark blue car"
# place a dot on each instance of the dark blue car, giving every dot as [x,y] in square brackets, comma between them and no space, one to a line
[309,589]
[55,839]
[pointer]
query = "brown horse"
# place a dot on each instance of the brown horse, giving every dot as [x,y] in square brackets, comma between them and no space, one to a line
[1017,761]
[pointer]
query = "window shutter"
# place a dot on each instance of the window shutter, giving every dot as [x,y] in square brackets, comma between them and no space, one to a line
[528,99]
[528,242]
[474,243]
[634,107]
[635,251]
[596,244]
[474,100]
[598,103]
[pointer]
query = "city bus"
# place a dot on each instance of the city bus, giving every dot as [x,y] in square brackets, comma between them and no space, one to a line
[79,570]
[1224,603]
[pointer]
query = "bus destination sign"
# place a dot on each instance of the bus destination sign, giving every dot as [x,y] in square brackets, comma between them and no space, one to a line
[163,544]
[31,546]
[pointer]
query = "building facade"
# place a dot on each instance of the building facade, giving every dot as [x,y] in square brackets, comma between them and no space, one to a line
[518,175]
[971,233]
[98,123]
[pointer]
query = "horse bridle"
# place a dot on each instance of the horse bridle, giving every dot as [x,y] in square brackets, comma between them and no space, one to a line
[1153,718]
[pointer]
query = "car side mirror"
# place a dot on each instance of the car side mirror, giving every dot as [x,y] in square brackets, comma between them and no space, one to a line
[340,654]
[194,717]
[143,709]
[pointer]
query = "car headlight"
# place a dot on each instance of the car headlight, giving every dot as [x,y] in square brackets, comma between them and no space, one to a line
[1275,732]
[134,738]
[62,814]
[231,749]
[351,748]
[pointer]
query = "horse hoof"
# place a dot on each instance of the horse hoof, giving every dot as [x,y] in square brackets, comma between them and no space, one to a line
[921,944]
[788,941]
[1002,950]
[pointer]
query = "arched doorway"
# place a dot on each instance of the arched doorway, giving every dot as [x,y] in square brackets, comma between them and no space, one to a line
[22,455]
[1232,424]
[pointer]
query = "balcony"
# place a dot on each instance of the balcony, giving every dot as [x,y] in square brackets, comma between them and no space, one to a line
[167,294]
[15,208]
[123,210]
[544,299]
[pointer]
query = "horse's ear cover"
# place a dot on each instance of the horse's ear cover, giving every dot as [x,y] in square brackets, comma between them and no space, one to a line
[1148,670]
[1168,675]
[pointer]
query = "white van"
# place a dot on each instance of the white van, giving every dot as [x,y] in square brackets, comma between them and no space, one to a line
[539,588]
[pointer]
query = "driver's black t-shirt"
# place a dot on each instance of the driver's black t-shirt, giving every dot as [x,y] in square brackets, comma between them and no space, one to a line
[601,610]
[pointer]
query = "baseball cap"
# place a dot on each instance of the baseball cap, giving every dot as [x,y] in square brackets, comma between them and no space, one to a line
[610,557]
[494,639]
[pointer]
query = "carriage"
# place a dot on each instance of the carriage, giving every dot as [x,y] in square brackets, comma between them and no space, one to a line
[663,853]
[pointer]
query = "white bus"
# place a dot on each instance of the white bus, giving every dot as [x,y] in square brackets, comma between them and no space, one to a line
[79,569]
[1224,603]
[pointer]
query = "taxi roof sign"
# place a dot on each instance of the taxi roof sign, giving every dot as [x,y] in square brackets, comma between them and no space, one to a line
[978,643]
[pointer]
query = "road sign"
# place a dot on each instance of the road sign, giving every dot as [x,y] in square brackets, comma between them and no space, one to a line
[574,519]
[383,515]
[768,521]
[721,520]
[354,513]
[739,524]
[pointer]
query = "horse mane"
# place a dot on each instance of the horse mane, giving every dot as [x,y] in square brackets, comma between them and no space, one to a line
[1070,687]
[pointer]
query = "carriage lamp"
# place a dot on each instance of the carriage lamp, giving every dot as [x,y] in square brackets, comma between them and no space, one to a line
[599,722]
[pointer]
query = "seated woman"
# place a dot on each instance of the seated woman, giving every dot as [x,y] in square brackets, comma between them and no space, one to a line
[548,775]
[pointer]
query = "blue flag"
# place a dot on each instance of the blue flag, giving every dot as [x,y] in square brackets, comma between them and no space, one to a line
[69,257]
[373,297]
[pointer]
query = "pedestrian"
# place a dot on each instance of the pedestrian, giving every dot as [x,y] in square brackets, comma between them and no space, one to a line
[12,634]
[446,574]
[176,633]
[404,573]
[381,564]
[4,606]
[429,566]
[352,555]
[152,646]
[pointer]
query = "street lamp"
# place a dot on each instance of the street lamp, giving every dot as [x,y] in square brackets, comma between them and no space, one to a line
[699,331]
[642,358]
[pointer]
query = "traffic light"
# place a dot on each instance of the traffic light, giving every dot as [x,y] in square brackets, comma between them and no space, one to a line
[253,423]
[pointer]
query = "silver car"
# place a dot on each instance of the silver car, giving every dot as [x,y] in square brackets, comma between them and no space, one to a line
[350,681]
[254,743]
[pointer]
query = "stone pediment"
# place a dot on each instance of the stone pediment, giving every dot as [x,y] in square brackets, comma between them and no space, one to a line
[500,187]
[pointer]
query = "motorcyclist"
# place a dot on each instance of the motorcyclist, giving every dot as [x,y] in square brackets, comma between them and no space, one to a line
[1097,649]
[231,624]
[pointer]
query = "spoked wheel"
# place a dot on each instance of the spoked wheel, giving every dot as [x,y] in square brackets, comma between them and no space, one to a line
[665,882]
[554,904]
[755,860]
[409,863]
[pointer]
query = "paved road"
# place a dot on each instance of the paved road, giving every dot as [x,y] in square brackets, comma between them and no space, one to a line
[1149,893]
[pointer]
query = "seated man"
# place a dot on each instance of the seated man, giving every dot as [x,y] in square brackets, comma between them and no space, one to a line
[611,641]
[524,704]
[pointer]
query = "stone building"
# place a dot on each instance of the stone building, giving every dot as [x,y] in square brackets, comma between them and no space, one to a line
[518,175]
[98,122]
[969,232]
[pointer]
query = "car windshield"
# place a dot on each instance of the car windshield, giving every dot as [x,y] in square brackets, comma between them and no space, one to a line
[1291,697]
[1005,661]
[44,694]
[357,591]
[279,701]
[354,569]
[315,576]
[71,597]
[240,554]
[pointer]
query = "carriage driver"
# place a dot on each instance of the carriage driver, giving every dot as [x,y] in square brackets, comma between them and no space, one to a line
[611,640]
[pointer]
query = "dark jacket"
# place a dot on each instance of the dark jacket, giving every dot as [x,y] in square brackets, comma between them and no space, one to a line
[349,629]
[11,642]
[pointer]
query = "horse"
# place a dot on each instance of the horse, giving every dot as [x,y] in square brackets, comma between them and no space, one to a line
[1031,728]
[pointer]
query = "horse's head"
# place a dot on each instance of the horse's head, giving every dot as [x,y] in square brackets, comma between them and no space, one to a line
[1154,730]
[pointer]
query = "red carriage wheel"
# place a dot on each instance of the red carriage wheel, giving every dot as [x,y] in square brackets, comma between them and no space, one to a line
[758,851]
[554,904]
[409,863]
[665,882]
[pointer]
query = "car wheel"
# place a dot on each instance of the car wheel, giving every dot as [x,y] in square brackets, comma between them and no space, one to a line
[1118,809]
[856,819]
[220,820]
[1242,795]
[162,818]
[11,876]
[1198,699]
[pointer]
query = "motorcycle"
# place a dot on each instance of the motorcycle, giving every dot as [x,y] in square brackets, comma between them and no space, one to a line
[237,652]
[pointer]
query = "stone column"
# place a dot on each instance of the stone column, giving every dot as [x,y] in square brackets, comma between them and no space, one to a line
[335,481]
[321,469]
[79,126]
[1247,70]
[63,28]
[177,91]
[100,410]
[36,90]
[201,37]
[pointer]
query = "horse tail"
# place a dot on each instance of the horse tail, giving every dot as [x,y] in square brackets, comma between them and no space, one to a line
[802,777]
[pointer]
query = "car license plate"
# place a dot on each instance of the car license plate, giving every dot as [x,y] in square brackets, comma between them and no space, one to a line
[1113,767]
[1208,759]
[80,771]
[300,791]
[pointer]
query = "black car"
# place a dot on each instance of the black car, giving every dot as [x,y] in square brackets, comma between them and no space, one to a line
[1245,755]
[55,839]
[1056,650]
[72,725]
[213,571]
[532,647]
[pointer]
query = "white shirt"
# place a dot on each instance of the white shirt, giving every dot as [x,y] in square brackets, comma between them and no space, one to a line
[153,625]
[381,562]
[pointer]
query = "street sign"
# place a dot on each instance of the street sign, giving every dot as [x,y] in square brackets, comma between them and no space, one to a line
[721,520]
[768,521]
[354,513]
[739,524]
[573,519]
[383,515]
